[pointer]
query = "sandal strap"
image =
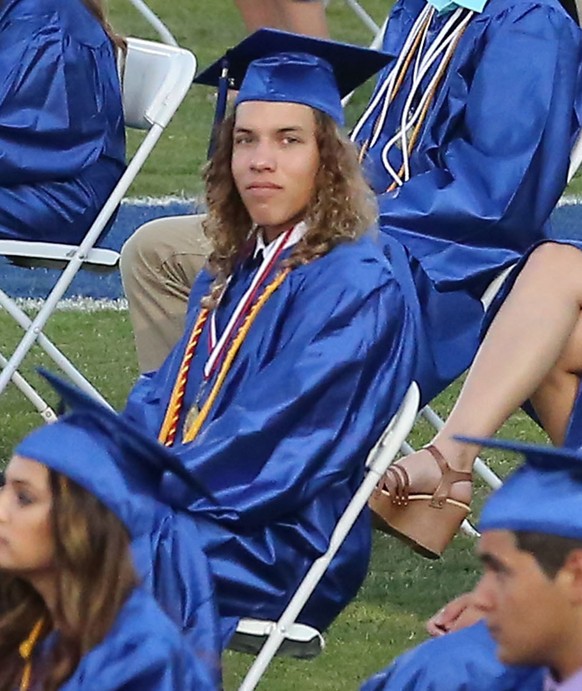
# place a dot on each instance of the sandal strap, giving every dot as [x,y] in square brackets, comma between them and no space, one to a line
[397,482]
[449,477]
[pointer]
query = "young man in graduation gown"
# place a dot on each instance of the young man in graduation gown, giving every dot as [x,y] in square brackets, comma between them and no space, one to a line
[296,350]
[531,548]
[466,191]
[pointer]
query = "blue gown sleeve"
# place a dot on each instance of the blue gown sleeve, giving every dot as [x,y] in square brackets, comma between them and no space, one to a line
[52,122]
[461,661]
[499,151]
[306,418]
[142,652]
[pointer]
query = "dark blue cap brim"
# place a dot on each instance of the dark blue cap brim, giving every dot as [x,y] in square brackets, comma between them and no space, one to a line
[146,451]
[543,495]
[352,65]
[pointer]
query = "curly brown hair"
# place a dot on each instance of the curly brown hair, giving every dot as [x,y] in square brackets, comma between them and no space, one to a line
[95,575]
[342,206]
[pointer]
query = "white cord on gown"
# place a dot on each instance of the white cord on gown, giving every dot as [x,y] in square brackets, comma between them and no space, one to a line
[442,47]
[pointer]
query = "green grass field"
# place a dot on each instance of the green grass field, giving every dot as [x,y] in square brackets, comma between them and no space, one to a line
[402,590]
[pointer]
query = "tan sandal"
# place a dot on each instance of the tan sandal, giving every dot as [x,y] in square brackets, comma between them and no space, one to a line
[412,517]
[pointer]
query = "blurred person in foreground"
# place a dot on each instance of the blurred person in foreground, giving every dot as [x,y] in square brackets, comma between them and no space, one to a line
[83,547]
[529,600]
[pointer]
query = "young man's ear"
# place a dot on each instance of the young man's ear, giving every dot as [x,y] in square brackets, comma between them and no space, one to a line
[571,575]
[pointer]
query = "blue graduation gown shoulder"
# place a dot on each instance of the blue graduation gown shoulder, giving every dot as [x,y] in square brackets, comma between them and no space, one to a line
[142,652]
[61,119]
[461,661]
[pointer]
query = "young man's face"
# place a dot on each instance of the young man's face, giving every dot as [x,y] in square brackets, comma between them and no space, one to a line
[275,160]
[528,613]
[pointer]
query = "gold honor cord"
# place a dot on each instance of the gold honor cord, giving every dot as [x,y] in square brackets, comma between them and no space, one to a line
[26,649]
[167,434]
[173,415]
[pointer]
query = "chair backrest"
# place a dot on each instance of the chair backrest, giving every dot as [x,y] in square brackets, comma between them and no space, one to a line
[152,76]
[575,157]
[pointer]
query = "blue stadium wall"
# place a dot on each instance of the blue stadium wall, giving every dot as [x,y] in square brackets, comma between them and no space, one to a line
[567,223]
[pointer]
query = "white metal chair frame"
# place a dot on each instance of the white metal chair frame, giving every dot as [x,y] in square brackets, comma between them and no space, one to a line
[160,28]
[378,461]
[155,80]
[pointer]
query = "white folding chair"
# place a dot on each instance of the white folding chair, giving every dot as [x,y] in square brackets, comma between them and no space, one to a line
[480,467]
[155,79]
[300,640]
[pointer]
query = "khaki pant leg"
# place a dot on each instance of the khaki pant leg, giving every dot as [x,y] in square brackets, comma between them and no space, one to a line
[159,263]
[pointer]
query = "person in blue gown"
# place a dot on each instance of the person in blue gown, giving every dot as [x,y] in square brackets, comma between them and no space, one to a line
[296,350]
[74,613]
[61,119]
[485,167]
[531,352]
[469,658]
[466,142]
[460,661]
[466,182]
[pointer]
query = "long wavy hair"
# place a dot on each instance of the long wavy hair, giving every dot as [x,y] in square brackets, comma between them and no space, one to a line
[95,575]
[98,9]
[342,205]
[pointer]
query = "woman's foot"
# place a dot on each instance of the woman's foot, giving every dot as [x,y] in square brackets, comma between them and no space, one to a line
[423,501]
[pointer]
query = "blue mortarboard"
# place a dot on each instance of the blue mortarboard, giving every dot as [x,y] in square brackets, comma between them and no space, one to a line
[544,495]
[102,452]
[272,65]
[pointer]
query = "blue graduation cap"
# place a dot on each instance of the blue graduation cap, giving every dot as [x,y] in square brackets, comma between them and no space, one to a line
[273,65]
[100,451]
[544,495]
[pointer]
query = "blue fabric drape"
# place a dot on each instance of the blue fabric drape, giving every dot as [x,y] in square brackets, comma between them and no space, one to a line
[62,138]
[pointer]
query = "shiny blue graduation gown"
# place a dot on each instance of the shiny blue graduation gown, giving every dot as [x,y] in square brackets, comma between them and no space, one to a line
[461,661]
[165,544]
[490,163]
[61,121]
[323,368]
[143,651]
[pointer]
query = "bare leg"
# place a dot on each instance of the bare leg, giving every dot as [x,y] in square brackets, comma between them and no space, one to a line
[533,349]
[304,17]
[531,346]
[554,398]
[259,13]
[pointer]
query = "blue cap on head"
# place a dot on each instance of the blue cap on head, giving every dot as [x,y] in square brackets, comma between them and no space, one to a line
[102,452]
[544,495]
[272,65]
[293,78]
